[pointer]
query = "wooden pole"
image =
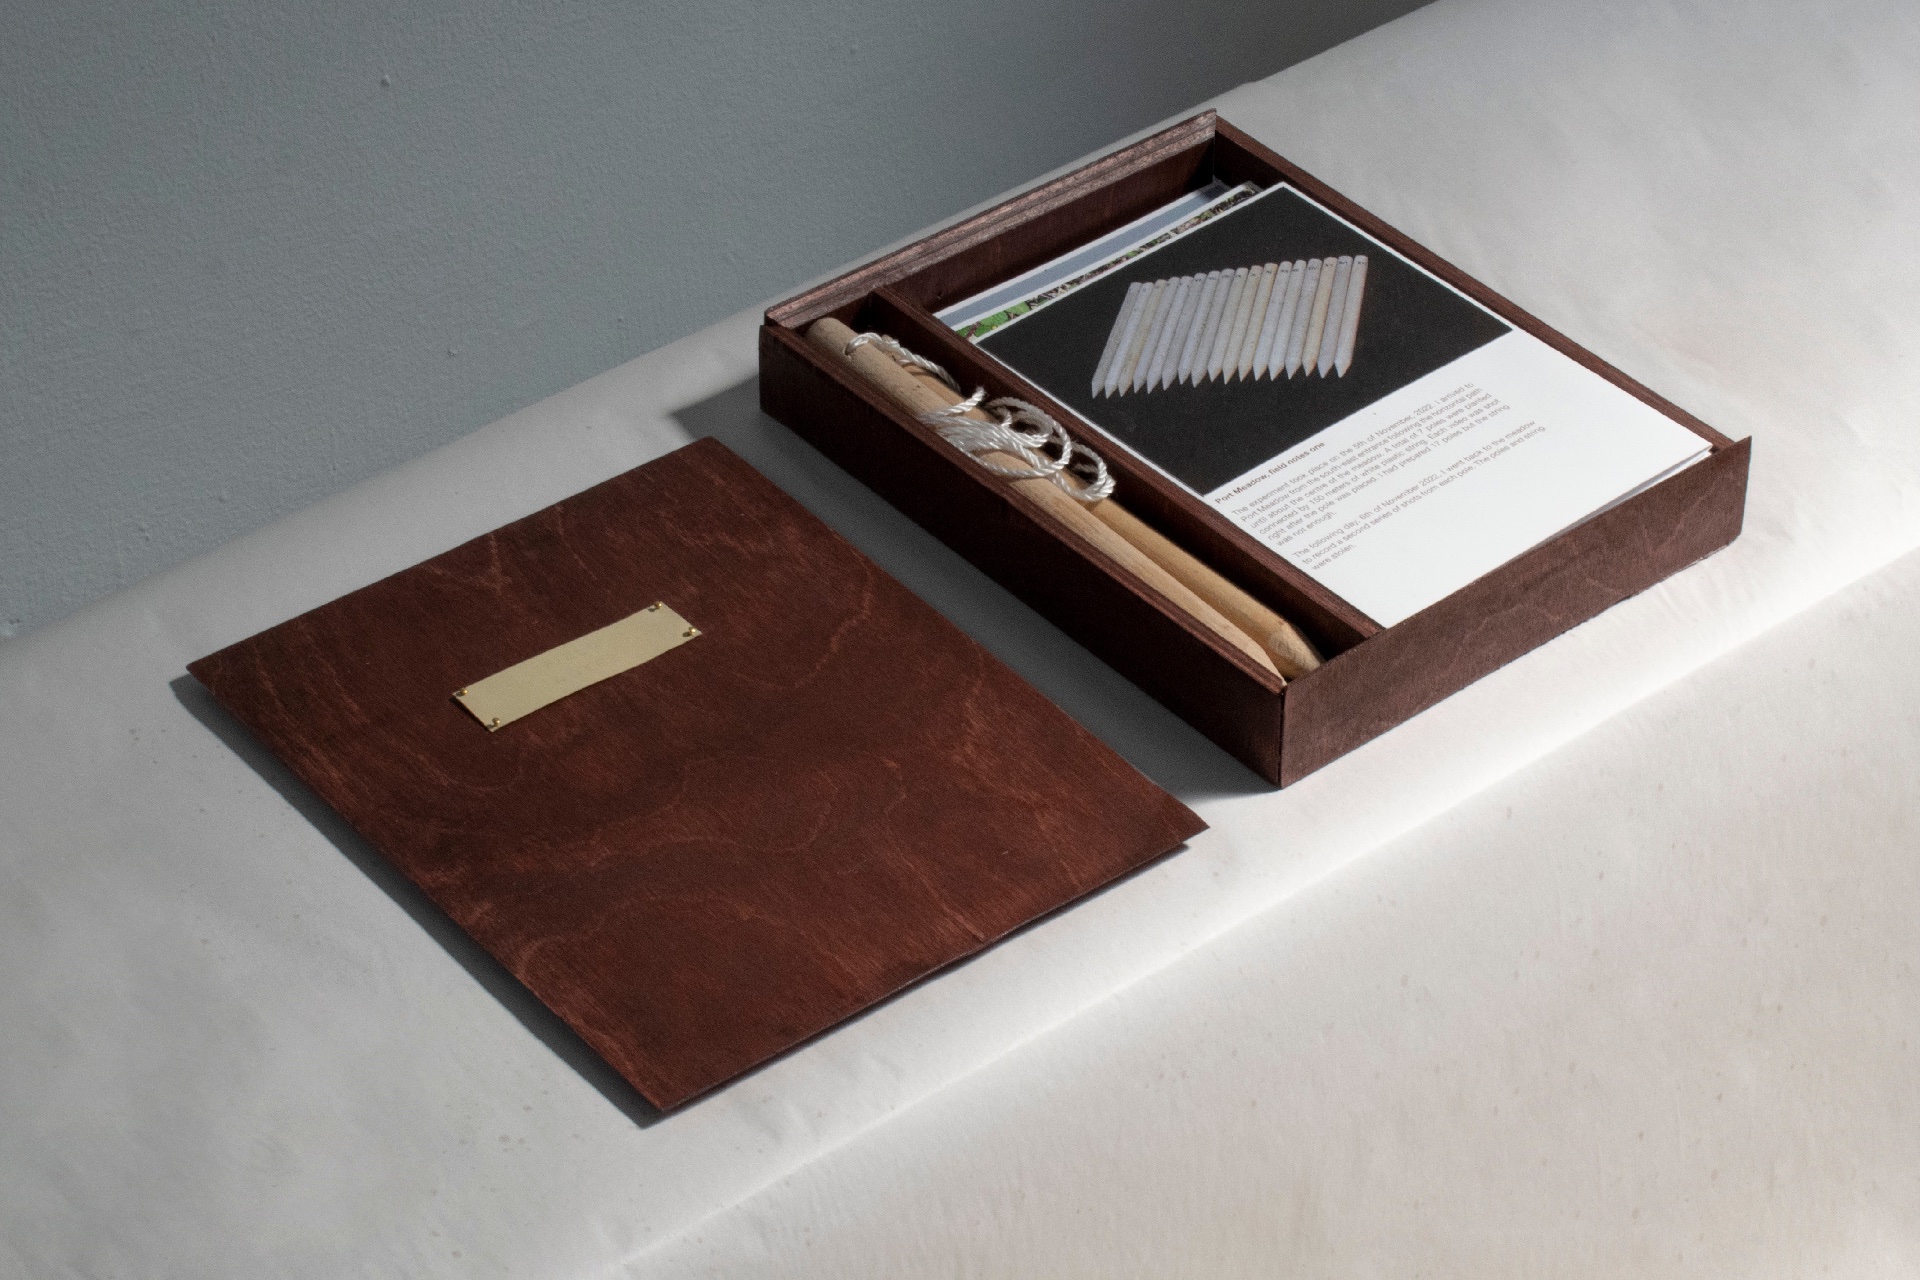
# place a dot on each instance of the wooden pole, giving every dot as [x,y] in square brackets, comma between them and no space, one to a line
[1216,603]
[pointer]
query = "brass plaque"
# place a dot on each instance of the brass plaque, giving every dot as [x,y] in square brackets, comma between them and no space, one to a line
[545,678]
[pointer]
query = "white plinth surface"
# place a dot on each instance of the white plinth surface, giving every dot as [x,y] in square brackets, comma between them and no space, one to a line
[1601,967]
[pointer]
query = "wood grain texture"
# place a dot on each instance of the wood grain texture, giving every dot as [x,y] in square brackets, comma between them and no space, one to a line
[1017,544]
[1518,607]
[710,858]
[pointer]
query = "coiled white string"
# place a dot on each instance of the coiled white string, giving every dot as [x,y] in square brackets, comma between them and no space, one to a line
[1021,429]
[902,355]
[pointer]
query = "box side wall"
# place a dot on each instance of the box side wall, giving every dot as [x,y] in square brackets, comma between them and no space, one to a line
[1525,603]
[1016,544]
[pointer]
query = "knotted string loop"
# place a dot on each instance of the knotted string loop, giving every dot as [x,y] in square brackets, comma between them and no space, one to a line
[1016,427]
[902,355]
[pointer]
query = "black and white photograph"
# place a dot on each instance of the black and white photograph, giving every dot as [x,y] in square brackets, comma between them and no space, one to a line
[1211,416]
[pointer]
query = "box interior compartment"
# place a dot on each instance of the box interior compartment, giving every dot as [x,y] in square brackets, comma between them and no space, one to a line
[899,293]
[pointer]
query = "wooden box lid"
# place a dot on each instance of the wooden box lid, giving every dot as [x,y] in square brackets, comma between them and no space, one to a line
[708,859]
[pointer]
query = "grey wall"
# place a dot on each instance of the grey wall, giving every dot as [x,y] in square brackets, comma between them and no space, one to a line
[253,252]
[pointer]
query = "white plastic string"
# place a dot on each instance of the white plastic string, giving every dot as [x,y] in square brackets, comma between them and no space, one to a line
[901,354]
[1021,429]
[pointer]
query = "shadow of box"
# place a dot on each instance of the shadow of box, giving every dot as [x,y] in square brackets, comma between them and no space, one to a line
[1375,677]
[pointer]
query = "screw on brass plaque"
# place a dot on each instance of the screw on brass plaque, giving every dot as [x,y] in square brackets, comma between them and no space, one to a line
[545,678]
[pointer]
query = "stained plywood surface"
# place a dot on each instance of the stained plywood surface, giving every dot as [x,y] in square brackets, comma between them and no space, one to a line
[712,857]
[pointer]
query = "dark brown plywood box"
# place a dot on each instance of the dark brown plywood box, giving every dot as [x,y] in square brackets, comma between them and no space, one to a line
[710,858]
[1375,677]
